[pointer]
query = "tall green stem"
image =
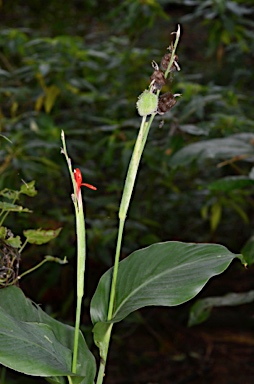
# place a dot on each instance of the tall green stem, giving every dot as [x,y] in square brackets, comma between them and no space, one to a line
[125,202]
[81,259]
[124,206]
[81,255]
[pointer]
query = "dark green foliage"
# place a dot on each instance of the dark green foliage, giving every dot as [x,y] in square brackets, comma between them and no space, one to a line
[77,68]
[46,343]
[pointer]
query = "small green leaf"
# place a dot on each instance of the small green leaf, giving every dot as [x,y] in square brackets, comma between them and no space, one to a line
[28,189]
[204,212]
[215,215]
[15,242]
[51,94]
[41,236]
[9,194]
[12,207]
[147,103]
[3,232]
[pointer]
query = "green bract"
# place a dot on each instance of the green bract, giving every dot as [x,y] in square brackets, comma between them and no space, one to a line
[147,103]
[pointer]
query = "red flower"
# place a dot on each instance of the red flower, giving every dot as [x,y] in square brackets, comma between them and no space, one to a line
[78,179]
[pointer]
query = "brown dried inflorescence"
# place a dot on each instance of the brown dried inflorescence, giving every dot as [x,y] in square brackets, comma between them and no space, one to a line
[165,63]
[158,79]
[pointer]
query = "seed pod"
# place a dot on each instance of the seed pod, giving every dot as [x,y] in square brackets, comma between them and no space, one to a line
[147,103]
[157,78]
[165,62]
[166,102]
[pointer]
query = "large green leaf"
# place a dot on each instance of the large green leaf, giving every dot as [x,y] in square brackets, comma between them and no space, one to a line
[33,343]
[236,145]
[167,274]
[42,354]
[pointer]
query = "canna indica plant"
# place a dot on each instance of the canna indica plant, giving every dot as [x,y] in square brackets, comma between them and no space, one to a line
[163,274]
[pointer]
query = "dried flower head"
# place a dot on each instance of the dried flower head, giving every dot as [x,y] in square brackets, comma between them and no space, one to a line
[166,102]
[158,79]
[165,62]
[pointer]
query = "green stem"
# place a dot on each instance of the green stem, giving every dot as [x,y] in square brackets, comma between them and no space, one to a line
[125,202]
[23,246]
[101,372]
[47,258]
[7,212]
[177,33]
[117,257]
[81,254]
[32,269]
[81,259]
[76,334]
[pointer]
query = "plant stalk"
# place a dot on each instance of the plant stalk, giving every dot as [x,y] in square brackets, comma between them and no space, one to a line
[125,202]
[81,254]
[81,259]
[101,372]
[124,205]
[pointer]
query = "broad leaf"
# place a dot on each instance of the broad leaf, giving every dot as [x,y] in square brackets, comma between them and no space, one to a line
[165,274]
[201,310]
[239,146]
[41,236]
[33,343]
[44,355]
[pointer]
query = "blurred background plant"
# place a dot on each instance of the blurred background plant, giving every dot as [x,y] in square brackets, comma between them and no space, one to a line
[80,67]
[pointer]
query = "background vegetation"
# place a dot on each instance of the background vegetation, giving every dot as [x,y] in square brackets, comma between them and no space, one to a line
[80,67]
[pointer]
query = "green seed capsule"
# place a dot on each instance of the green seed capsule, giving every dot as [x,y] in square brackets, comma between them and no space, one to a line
[147,103]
